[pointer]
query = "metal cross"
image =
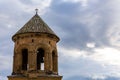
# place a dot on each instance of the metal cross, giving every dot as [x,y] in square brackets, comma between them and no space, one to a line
[36,10]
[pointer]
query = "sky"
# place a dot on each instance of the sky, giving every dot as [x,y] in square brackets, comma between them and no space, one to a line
[89,48]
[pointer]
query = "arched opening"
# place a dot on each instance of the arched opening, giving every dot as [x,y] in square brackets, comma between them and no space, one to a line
[40,59]
[53,61]
[24,59]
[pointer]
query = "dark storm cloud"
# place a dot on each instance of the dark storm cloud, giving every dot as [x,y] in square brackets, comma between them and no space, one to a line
[76,32]
[71,19]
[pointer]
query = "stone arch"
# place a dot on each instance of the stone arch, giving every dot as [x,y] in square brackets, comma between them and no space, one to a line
[24,58]
[55,51]
[54,61]
[23,52]
[45,46]
[44,49]
[40,58]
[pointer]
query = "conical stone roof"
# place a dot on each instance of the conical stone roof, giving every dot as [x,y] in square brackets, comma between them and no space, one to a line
[36,25]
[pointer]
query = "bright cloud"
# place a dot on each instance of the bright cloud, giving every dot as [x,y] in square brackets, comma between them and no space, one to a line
[110,56]
[74,53]
[105,60]
[90,45]
[106,55]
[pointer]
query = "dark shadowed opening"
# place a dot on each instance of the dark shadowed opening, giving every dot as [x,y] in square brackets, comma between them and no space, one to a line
[24,59]
[40,59]
[53,60]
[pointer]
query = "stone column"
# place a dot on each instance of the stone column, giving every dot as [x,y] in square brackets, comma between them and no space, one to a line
[46,61]
[31,60]
[14,65]
[50,62]
[55,61]
[56,64]
[18,63]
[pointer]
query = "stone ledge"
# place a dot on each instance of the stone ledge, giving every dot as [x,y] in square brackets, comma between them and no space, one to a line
[42,77]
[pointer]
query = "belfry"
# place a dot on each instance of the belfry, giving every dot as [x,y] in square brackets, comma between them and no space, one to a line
[35,52]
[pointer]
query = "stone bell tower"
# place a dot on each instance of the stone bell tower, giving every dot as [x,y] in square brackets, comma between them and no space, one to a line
[35,52]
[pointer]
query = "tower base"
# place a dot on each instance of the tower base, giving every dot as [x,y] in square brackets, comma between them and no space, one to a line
[44,77]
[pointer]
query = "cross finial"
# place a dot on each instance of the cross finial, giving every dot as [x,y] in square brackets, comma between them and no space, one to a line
[36,10]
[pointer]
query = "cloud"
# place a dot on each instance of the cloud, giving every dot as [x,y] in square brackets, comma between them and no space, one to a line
[86,23]
[90,45]
[74,53]
[100,63]
[83,2]
[25,6]
[113,31]
[3,78]
[107,56]
[5,61]
[41,5]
